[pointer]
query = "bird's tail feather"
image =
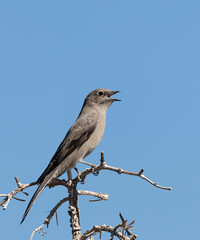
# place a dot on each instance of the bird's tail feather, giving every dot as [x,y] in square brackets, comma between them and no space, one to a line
[46,180]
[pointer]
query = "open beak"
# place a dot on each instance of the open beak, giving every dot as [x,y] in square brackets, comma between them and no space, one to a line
[112,93]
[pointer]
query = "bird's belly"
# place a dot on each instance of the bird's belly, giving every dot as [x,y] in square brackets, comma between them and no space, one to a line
[94,140]
[68,163]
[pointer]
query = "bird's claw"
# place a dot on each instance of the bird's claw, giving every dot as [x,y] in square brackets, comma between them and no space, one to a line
[83,180]
[96,173]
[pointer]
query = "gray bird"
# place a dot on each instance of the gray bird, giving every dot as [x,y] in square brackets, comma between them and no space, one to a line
[81,139]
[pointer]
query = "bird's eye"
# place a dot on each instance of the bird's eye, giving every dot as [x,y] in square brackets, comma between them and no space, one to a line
[100,93]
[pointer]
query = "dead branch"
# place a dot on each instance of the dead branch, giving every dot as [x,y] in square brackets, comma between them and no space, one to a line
[123,233]
[106,228]
[71,185]
[54,210]
[74,212]
[48,218]
[80,178]
[100,196]
[59,182]
[9,196]
[103,166]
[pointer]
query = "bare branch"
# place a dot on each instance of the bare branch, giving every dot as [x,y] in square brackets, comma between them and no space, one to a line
[80,178]
[49,217]
[54,210]
[39,229]
[113,230]
[106,228]
[58,182]
[74,211]
[71,185]
[94,194]
[11,195]
[21,187]
[104,166]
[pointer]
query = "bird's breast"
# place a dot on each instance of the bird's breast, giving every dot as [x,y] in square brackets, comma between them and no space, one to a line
[88,146]
[95,137]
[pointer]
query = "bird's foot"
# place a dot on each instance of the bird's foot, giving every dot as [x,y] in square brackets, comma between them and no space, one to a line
[96,173]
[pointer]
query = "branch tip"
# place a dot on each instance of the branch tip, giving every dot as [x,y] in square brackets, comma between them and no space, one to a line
[102,159]
[141,172]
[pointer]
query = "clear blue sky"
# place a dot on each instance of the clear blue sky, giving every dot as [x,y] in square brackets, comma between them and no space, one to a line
[52,54]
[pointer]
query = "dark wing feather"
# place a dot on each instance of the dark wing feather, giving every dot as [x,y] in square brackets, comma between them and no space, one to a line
[79,133]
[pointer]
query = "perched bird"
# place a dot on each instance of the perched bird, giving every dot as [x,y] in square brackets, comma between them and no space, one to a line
[81,139]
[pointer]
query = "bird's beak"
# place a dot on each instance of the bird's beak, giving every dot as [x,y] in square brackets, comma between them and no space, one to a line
[112,93]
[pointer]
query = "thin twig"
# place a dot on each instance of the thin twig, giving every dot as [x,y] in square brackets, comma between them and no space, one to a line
[11,195]
[49,217]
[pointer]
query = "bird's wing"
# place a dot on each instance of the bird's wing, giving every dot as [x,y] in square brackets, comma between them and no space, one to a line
[80,132]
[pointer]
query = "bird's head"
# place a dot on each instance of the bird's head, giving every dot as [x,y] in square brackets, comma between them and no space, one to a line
[101,98]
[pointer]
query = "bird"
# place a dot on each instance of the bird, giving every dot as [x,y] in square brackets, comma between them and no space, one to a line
[81,139]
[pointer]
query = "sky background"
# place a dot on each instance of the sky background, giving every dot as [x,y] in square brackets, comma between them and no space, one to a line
[52,54]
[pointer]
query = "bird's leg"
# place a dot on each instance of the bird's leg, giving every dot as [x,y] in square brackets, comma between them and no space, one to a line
[69,174]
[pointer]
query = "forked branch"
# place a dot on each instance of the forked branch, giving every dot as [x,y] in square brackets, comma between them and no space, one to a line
[117,231]
[103,166]
[48,218]
[20,187]
[122,231]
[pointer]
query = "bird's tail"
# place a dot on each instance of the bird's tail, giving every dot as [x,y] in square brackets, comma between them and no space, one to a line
[44,183]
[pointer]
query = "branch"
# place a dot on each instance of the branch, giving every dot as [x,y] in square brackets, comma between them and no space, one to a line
[54,210]
[73,201]
[103,166]
[11,195]
[100,196]
[106,228]
[49,217]
[20,187]
[80,178]
[59,182]
[113,230]
[74,212]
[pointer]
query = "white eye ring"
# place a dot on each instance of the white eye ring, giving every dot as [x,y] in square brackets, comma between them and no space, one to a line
[100,93]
